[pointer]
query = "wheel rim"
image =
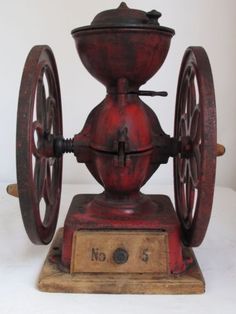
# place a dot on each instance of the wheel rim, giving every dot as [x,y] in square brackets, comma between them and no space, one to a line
[39,120]
[195,129]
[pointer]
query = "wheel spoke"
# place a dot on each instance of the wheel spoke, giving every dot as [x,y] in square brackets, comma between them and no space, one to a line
[39,177]
[182,200]
[37,130]
[195,163]
[50,114]
[192,90]
[41,103]
[47,185]
[195,129]
[182,167]
[189,106]
[183,125]
[190,193]
[194,171]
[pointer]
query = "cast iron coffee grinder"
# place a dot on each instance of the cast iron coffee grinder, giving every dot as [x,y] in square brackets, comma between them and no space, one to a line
[119,241]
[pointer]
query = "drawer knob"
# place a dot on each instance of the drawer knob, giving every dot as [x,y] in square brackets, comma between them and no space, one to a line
[120,256]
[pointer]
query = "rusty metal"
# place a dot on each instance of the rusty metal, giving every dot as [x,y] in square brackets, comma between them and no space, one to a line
[150,93]
[195,129]
[39,118]
[122,142]
[125,17]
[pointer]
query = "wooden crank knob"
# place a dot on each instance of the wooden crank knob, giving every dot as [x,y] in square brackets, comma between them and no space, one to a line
[12,189]
[220,150]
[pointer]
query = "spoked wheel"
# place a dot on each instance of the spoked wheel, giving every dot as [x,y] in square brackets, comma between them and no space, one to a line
[195,129]
[39,121]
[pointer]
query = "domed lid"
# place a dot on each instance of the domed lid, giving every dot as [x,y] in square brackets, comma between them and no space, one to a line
[124,17]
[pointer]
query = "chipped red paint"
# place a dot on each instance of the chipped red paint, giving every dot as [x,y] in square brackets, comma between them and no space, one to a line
[155,212]
[122,142]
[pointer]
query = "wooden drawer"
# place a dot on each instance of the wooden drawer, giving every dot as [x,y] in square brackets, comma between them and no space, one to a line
[120,251]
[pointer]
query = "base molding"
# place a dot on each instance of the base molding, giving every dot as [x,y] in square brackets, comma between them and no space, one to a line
[52,279]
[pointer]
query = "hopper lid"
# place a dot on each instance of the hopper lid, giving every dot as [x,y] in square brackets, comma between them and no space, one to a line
[124,17]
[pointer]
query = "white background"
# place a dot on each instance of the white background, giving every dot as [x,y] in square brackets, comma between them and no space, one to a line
[26,23]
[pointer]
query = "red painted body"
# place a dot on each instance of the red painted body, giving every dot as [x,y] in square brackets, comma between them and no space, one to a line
[121,155]
[159,216]
[122,142]
[110,54]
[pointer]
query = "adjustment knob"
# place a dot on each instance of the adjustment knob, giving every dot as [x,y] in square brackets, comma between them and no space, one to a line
[153,17]
[120,256]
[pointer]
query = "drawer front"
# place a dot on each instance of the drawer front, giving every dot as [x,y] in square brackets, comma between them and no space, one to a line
[120,251]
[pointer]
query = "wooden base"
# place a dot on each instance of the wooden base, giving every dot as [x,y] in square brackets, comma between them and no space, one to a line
[52,279]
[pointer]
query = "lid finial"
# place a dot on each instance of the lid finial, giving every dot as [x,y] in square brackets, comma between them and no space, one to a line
[123,5]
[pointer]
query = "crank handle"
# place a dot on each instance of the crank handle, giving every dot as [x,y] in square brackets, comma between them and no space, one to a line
[150,93]
[220,150]
[12,189]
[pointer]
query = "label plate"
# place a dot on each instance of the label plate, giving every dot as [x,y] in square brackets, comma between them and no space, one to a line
[120,251]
